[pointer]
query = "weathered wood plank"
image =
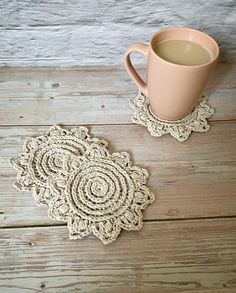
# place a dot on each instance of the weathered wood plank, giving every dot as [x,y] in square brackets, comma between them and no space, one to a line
[78,32]
[192,179]
[89,95]
[177,256]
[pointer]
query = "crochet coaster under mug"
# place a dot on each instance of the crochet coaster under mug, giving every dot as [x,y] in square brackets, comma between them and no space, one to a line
[83,184]
[180,129]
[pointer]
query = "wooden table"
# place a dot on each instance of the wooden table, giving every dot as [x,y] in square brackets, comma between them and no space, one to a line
[188,242]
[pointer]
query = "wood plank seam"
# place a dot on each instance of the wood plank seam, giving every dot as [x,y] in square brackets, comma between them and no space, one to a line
[147,221]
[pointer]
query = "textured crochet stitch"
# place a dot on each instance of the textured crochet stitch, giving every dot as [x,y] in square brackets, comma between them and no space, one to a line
[83,184]
[180,129]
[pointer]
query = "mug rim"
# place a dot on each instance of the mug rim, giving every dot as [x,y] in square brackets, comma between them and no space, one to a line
[185,29]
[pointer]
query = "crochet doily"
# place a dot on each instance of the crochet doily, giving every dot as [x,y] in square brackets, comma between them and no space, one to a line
[83,184]
[179,129]
[43,157]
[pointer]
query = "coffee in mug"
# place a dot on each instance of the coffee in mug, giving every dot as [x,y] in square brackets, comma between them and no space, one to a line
[182,52]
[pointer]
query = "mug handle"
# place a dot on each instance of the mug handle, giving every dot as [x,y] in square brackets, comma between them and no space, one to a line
[143,49]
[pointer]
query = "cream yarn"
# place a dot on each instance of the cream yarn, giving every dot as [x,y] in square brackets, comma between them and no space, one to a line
[83,184]
[180,129]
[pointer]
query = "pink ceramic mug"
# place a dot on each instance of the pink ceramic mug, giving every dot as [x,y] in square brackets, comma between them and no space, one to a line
[173,89]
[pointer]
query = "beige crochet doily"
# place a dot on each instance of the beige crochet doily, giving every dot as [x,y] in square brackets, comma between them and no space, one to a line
[83,184]
[180,129]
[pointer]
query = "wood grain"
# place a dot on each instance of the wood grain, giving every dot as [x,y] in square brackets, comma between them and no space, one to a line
[176,256]
[179,249]
[89,95]
[79,32]
[192,179]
